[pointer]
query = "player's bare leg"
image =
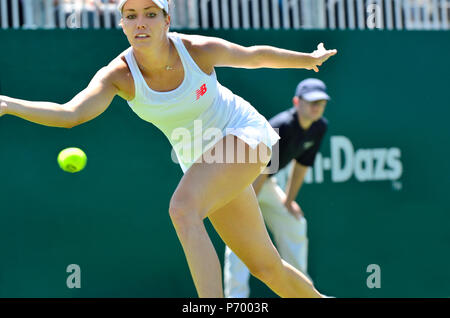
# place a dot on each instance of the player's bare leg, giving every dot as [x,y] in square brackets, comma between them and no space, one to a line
[204,189]
[241,226]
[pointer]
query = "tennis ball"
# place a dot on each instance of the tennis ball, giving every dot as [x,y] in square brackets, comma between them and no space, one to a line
[72,159]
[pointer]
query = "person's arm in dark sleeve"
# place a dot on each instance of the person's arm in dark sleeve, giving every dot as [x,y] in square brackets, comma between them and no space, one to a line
[307,158]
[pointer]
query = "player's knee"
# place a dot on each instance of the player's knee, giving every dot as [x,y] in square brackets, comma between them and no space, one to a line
[177,211]
[182,211]
[267,270]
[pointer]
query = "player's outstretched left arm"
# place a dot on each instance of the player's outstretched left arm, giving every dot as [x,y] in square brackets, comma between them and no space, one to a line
[224,53]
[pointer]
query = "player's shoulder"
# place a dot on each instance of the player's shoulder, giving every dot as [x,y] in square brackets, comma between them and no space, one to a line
[199,48]
[118,68]
[118,74]
[195,44]
[114,70]
[197,41]
[202,45]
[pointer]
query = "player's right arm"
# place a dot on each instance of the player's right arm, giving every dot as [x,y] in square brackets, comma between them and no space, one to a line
[86,105]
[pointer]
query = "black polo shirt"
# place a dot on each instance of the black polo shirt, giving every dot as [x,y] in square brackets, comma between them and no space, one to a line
[295,142]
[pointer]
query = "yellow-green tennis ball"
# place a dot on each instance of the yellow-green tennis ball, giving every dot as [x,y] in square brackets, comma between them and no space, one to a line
[72,160]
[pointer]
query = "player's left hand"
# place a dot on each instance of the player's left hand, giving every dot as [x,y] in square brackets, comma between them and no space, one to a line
[320,56]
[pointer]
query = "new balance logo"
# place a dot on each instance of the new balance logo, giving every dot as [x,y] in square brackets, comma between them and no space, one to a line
[201,91]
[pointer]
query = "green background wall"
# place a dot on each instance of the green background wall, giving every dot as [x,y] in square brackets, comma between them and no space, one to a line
[389,89]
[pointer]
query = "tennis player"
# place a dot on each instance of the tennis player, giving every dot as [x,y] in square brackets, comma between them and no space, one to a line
[169,80]
[301,129]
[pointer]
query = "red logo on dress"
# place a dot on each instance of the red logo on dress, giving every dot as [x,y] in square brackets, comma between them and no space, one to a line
[201,91]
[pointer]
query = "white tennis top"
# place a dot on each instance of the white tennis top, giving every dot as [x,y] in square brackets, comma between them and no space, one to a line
[190,115]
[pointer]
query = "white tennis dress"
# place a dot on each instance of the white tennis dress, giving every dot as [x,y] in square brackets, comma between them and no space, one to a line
[190,113]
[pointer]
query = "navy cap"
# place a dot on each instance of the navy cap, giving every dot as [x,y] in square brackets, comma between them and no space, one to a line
[311,90]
